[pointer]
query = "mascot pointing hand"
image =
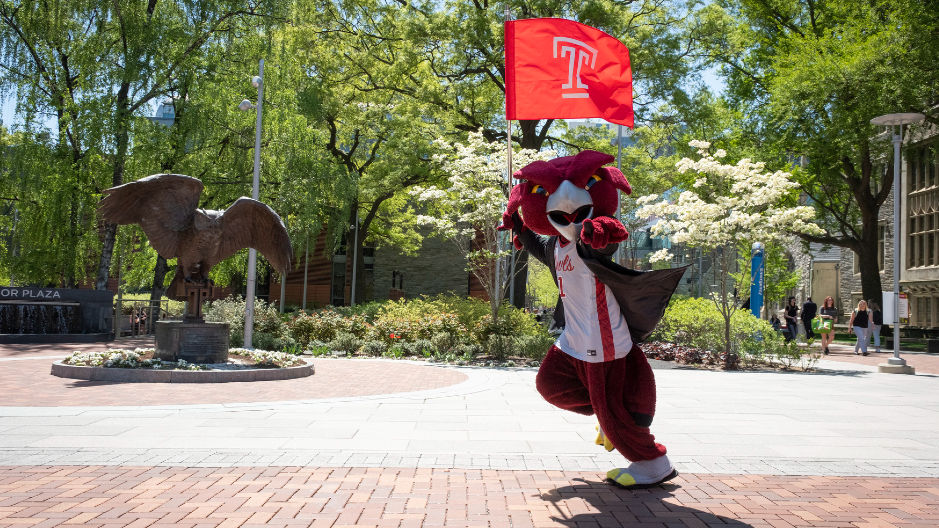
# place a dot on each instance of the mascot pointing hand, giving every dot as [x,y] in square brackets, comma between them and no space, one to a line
[562,214]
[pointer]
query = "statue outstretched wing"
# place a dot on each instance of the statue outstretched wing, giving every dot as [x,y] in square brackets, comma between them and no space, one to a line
[250,223]
[163,205]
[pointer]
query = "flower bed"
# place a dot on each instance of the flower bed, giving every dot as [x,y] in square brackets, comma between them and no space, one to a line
[142,358]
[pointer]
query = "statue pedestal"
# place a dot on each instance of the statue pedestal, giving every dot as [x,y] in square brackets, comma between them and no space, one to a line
[192,342]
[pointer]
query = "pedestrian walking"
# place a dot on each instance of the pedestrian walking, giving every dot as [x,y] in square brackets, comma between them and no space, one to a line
[809,310]
[791,314]
[828,313]
[877,321]
[860,320]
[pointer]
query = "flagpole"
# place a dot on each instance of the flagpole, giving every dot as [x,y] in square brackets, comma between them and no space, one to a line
[508,179]
[619,165]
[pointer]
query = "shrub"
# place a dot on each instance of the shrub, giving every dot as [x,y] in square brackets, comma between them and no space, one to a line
[374,348]
[394,351]
[445,342]
[318,348]
[231,310]
[534,346]
[499,346]
[698,326]
[510,322]
[419,347]
[266,341]
[417,319]
[468,351]
[322,325]
[367,311]
[345,342]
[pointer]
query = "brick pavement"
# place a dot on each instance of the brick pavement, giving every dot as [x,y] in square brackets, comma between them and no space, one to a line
[922,362]
[95,496]
[27,382]
[273,494]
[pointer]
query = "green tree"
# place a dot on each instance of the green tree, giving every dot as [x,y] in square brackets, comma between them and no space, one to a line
[807,77]
[448,57]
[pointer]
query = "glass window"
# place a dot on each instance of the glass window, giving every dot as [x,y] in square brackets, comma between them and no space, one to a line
[881,236]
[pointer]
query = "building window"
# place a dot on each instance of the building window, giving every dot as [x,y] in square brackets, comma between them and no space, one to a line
[337,293]
[923,206]
[338,290]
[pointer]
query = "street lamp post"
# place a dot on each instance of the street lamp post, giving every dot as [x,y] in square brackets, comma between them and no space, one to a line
[246,105]
[896,122]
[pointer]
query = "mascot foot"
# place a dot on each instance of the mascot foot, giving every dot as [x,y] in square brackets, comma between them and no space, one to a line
[643,474]
[602,440]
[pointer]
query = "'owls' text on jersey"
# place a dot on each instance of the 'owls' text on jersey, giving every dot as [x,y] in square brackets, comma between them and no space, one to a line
[595,329]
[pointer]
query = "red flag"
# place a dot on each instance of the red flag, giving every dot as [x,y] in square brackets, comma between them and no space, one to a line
[557,68]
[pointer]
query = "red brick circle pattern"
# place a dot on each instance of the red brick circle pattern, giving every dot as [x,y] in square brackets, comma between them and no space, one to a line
[28,382]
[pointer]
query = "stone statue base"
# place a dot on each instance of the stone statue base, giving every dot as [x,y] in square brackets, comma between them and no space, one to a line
[192,342]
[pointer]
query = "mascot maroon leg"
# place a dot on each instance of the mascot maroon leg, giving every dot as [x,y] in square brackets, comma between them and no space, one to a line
[596,366]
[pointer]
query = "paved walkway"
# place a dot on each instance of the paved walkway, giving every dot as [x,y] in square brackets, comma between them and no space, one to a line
[471,447]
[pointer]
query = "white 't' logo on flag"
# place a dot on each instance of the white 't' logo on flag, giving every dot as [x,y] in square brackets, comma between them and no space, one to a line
[578,53]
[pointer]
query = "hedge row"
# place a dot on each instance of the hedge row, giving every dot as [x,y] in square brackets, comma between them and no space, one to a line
[445,327]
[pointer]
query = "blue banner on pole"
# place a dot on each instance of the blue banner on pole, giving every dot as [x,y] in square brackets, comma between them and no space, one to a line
[756,279]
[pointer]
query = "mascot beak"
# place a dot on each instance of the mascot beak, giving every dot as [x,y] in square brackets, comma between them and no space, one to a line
[567,209]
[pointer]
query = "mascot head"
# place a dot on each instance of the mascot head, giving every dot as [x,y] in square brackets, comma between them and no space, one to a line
[557,196]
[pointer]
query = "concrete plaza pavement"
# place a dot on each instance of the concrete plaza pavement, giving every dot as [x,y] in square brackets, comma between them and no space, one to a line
[843,446]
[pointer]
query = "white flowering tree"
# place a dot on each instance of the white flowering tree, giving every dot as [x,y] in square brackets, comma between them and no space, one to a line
[727,208]
[468,210]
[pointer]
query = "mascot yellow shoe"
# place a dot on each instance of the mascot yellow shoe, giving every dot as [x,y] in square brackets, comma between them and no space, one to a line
[602,440]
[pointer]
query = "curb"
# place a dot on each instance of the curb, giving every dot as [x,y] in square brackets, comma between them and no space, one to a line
[180,376]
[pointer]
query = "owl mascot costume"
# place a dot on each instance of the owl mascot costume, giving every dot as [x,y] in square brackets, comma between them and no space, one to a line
[562,214]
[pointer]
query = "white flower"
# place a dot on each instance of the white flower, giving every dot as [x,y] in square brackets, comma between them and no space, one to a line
[660,255]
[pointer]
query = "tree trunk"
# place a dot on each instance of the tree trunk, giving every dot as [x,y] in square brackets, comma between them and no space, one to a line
[159,277]
[156,292]
[531,139]
[866,253]
[121,137]
[520,279]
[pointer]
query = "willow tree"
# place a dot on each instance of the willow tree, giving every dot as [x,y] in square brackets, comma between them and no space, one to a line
[97,66]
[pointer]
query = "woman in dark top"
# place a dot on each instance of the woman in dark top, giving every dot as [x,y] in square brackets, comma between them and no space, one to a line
[860,320]
[791,313]
[828,311]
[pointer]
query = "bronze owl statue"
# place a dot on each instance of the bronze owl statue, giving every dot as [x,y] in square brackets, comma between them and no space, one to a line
[165,206]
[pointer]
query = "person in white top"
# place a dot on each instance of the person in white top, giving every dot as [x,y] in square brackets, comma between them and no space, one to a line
[595,366]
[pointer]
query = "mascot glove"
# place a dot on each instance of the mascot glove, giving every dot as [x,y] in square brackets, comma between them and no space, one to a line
[512,221]
[602,231]
[509,221]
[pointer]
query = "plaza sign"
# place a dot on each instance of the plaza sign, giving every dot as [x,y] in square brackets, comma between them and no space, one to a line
[10,294]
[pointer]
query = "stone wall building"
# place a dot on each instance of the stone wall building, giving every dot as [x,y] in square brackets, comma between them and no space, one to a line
[919,250]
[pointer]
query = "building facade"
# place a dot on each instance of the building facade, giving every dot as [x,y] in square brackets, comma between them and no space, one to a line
[918,233]
[919,229]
